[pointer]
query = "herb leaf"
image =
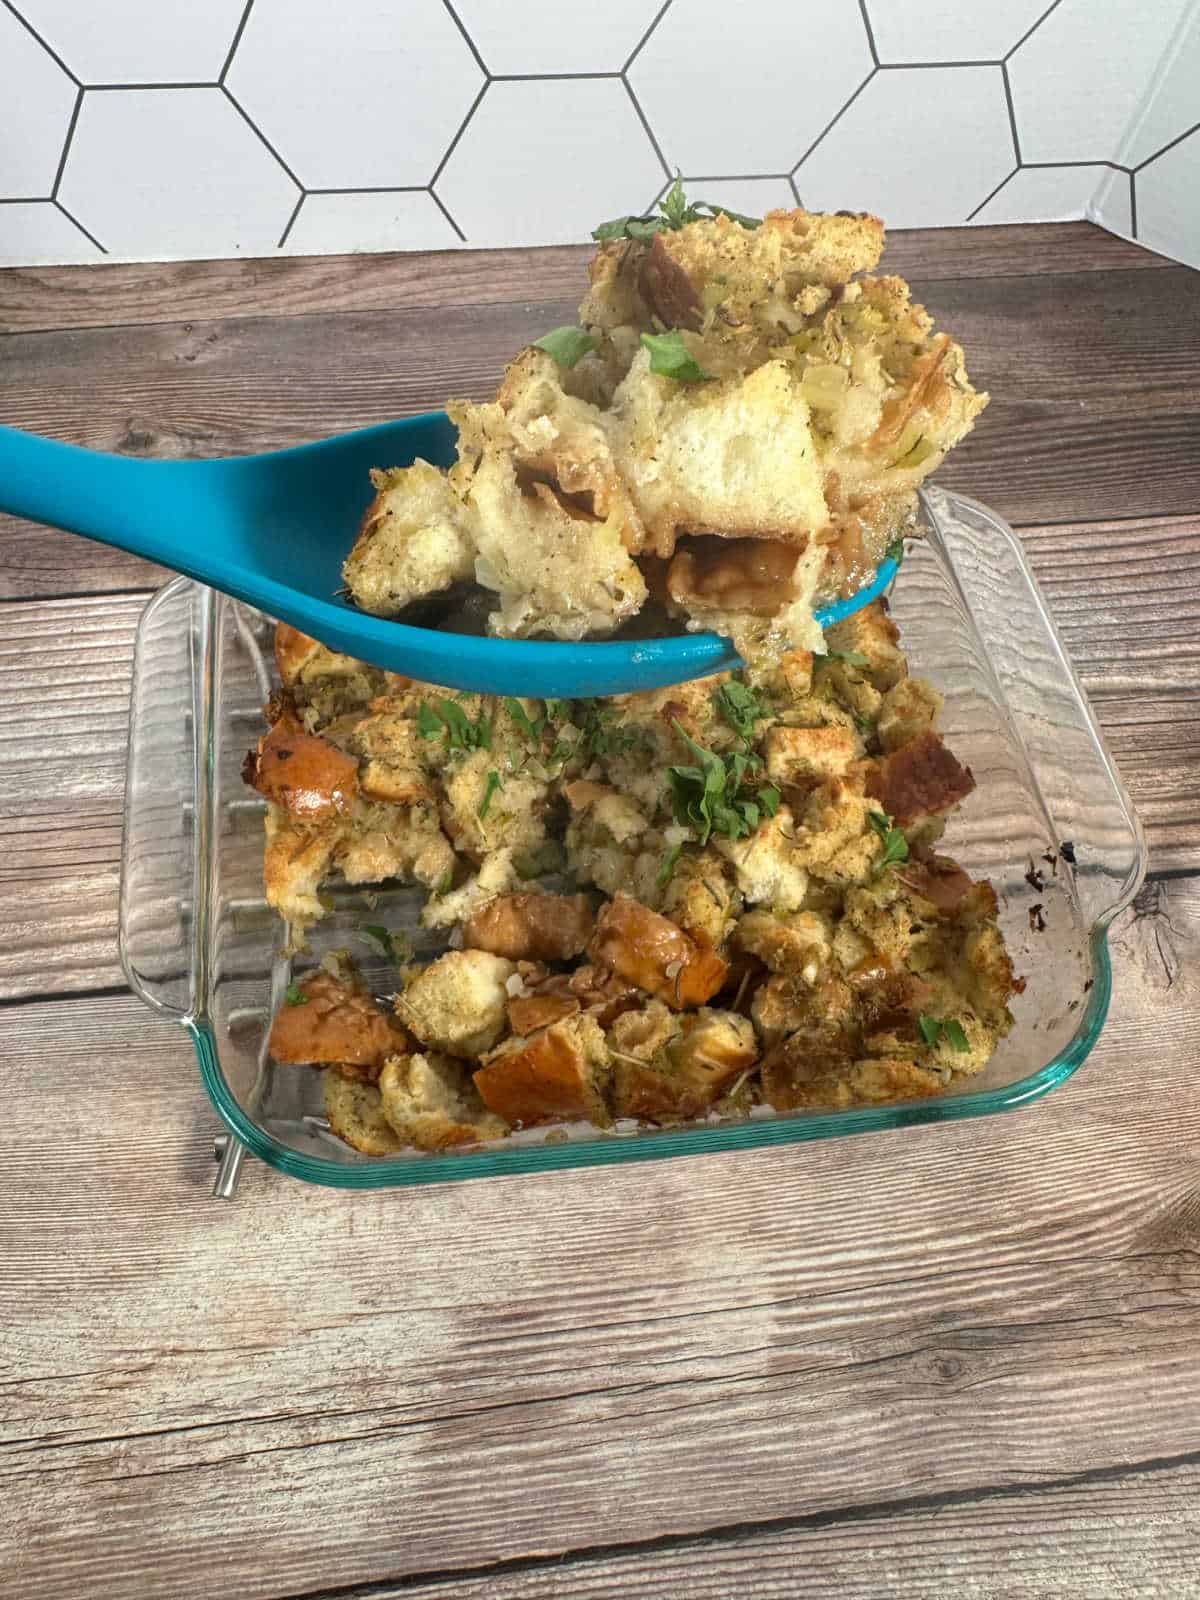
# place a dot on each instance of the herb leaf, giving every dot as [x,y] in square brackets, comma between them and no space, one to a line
[934,1029]
[675,211]
[531,729]
[461,733]
[714,796]
[852,658]
[392,946]
[671,358]
[295,995]
[668,866]
[895,845]
[741,708]
[895,551]
[565,345]
[494,782]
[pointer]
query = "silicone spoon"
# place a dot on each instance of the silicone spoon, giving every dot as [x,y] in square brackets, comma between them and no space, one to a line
[273,530]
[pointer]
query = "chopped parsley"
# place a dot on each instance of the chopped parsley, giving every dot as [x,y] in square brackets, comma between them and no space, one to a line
[391,946]
[668,866]
[295,995]
[675,211]
[565,345]
[532,730]
[446,881]
[714,796]
[934,1029]
[671,358]
[895,845]
[448,717]
[494,782]
[895,551]
[741,707]
[600,736]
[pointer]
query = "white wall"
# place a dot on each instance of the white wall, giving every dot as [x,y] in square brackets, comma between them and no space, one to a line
[168,129]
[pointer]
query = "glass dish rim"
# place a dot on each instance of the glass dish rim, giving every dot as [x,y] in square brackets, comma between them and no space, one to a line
[607,1147]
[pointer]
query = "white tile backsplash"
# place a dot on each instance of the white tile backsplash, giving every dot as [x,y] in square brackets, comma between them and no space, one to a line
[160,129]
[953,146]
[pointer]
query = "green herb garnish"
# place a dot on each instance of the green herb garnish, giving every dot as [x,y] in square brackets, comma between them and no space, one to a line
[934,1029]
[531,729]
[895,551]
[295,995]
[668,866]
[448,717]
[557,710]
[446,881]
[675,211]
[600,736]
[741,707]
[715,797]
[494,782]
[565,345]
[671,358]
[895,845]
[392,946]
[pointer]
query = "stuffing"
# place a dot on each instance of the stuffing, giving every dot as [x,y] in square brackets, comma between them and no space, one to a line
[740,383]
[430,1101]
[761,927]
[560,1073]
[457,1003]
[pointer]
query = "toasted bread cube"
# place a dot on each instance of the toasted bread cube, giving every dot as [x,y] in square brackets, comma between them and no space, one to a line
[691,1070]
[909,708]
[798,944]
[415,540]
[334,1021]
[699,896]
[802,757]
[458,1003]
[531,927]
[306,776]
[655,954]
[557,1075]
[430,1101]
[355,1113]
[872,633]
[919,780]
[530,1013]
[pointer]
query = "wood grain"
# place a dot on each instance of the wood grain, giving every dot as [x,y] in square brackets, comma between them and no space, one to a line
[1124,1534]
[35,298]
[320,1389]
[1095,383]
[61,795]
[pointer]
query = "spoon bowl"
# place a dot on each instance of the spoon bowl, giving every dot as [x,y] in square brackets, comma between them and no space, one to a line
[273,530]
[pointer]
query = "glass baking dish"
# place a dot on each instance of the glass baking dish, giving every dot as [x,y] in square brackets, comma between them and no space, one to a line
[200,945]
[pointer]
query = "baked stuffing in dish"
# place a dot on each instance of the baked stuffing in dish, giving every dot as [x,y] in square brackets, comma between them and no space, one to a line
[735,432]
[690,903]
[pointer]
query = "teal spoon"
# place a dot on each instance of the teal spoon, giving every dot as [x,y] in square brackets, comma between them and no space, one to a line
[273,530]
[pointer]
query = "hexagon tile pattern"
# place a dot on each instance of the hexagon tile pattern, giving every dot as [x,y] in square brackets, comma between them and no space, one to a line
[174,171]
[1078,85]
[720,101]
[918,176]
[150,129]
[36,101]
[524,37]
[358,94]
[137,41]
[547,160]
[947,30]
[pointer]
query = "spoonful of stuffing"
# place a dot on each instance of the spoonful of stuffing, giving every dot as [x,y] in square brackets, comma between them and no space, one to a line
[720,459]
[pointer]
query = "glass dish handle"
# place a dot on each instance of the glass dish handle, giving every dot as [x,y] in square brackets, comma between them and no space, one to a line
[158,878]
[1085,801]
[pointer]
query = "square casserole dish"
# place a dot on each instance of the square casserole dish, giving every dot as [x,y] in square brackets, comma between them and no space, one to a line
[200,945]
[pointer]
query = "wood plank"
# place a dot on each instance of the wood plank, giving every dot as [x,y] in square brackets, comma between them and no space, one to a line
[1134,1534]
[61,797]
[314,1389]
[1077,430]
[36,298]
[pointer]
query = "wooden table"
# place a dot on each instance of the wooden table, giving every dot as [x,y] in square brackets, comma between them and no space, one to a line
[951,1360]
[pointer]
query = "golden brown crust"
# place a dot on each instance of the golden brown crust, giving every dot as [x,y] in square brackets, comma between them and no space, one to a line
[549,1078]
[921,779]
[655,954]
[334,1022]
[532,927]
[305,775]
[293,651]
